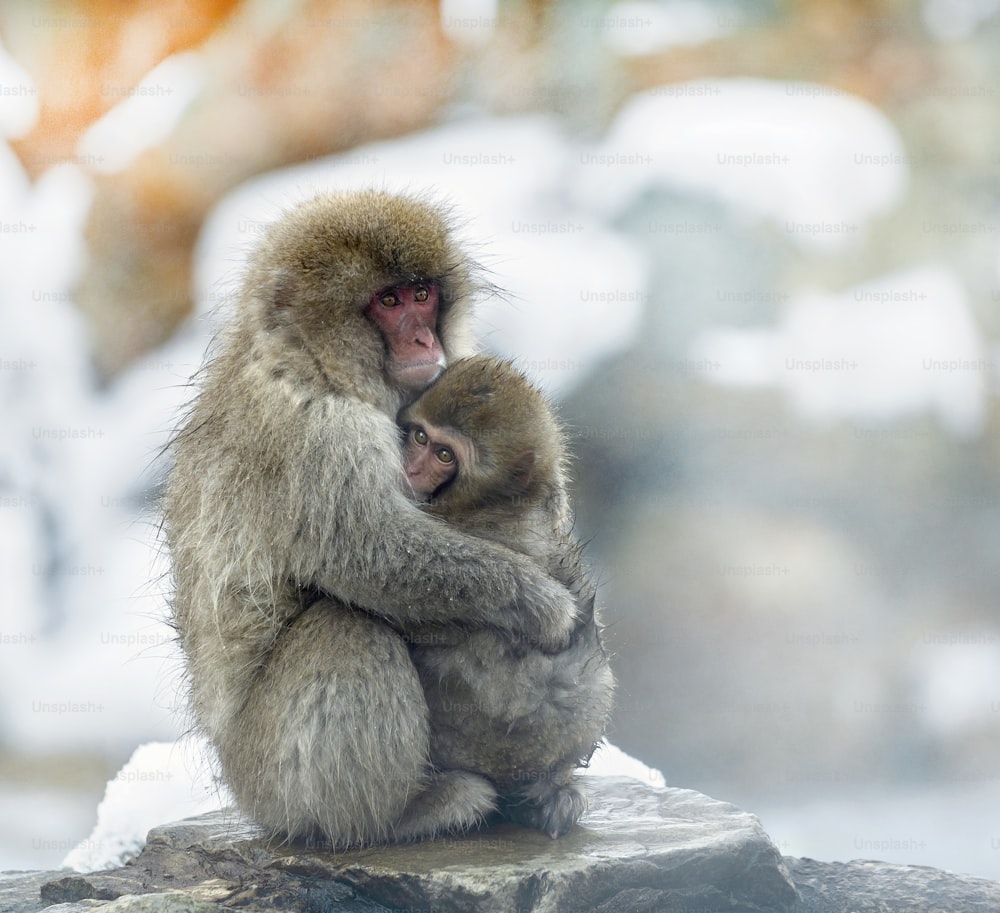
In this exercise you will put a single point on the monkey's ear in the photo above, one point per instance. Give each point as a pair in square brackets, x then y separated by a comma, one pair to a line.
[523, 470]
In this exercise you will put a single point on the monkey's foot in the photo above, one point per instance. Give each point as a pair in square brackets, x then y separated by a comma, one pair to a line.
[455, 800]
[549, 808]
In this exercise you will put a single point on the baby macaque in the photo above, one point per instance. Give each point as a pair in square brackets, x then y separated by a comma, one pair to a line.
[485, 453]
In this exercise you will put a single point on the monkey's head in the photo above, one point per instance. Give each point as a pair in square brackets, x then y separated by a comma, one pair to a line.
[365, 285]
[481, 436]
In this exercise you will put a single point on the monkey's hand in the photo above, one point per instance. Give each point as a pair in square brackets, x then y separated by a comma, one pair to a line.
[547, 615]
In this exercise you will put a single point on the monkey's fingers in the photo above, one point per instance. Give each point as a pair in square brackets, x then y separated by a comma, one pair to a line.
[548, 616]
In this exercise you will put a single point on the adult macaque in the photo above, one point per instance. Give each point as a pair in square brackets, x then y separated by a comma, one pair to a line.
[296, 554]
[485, 453]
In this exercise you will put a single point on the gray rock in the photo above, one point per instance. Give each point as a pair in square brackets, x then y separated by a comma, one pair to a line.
[881, 887]
[167, 902]
[19, 891]
[638, 848]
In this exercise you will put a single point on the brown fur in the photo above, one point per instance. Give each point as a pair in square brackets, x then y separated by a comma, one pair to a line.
[520, 717]
[284, 518]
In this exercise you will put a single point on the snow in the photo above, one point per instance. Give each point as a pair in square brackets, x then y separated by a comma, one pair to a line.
[76, 557]
[804, 157]
[958, 680]
[610, 761]
[146, 115]
[160, 783]
[901, 344]
[19, 110]
[954, 20]
[469, 21]
[636, 27]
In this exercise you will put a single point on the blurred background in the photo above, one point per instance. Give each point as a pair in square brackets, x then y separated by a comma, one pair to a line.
[751, 248]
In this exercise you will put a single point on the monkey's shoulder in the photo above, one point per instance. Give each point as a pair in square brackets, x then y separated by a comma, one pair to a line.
[263, 400]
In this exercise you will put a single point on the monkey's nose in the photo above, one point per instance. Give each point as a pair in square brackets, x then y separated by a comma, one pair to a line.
[424, 337]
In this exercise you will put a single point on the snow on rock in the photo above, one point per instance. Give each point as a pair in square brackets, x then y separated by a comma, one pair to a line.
[811, 159]
[610, 761]
[77, 560]
[160, 783]
[639, 27]
[19, 110]
[147, 114]
[900, 344]
[956, 678]
[469, 21]
[957, 20]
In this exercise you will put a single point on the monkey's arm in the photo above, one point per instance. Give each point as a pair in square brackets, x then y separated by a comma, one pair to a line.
[362, 540]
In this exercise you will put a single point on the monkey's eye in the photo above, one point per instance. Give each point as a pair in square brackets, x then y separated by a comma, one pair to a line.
[420, 293]
[445, 456]
[388, 299]
[419, 436]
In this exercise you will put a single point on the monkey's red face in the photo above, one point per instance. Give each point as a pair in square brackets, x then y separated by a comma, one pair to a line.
[407, 317]
[431, 458]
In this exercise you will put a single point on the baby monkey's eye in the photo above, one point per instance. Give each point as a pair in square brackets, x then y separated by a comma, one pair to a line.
[420, 293]
[388, 299]
[444, 455]
[419, 436]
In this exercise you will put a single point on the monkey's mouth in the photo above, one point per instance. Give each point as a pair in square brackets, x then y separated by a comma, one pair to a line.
[419, 374]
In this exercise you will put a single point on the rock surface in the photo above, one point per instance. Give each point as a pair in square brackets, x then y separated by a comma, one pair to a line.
[639, 849]
[881, 887]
